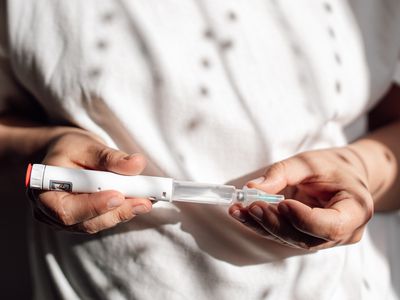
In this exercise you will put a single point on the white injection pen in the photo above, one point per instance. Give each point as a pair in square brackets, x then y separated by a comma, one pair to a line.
[52, 178]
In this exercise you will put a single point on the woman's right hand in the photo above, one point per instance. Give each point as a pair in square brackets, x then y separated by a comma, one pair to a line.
[88, 213]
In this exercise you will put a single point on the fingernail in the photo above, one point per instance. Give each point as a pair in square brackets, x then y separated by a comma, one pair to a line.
[258, 180]
[256, 212]
[114, 202]
[238, 215]
[128, 157]
[140, 209]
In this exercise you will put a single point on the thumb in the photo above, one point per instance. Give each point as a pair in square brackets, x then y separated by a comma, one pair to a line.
[101, 157]
[284, 173]
[86, 150]
[119, 162]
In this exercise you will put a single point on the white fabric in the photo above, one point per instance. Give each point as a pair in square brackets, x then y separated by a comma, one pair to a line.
[209, 91]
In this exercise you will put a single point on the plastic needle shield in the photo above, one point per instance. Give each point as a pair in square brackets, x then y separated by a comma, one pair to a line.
[188, 191]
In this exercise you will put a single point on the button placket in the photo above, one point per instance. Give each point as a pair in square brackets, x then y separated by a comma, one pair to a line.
[337, 84]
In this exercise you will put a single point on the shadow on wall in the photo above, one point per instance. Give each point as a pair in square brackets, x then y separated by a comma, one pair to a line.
[15, 277]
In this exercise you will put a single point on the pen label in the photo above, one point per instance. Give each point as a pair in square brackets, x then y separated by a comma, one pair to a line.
[65, 186]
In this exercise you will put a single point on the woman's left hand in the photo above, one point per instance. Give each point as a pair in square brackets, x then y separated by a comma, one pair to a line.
[328, 202]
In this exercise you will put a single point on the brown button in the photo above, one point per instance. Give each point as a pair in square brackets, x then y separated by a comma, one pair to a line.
[338, 87]
[209, 33]
[232, 16]
[108, 17]
[327, 7]
[225, 45]
[94, 73]
[204, 91]
[205, 62]
[101, 44]
[338, 59]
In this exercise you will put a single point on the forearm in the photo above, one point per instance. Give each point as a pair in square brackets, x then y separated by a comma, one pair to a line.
[23, 140]
[380, 155]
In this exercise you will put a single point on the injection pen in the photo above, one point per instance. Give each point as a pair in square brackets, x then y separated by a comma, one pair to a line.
[51, 178]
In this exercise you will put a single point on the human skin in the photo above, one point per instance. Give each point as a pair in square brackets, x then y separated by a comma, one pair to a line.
[331, 194]
[76, 148]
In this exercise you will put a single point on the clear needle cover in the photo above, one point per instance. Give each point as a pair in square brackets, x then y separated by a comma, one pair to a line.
[187, 191]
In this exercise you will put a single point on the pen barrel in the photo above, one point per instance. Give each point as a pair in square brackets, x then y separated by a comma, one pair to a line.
[89, 181]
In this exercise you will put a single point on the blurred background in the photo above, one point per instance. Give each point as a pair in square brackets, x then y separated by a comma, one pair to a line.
[14, 263]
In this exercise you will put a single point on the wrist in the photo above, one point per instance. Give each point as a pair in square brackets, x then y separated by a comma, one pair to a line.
[375, 158]
[24, 144]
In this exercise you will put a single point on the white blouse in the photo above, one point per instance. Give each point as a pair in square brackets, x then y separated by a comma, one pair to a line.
[209, 91]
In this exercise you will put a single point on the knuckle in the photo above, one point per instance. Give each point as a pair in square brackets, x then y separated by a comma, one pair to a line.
[89, 228]
[369, 207]
[64, 216]
[123, 216]
[40, 198]
[308, 157]
[366, 202]
[93, 206]
[369, 212]
[105, 157]
[303, 156]
[356, 237]
[304, 246]
[280, 165]
[337, 232]
[276, 168]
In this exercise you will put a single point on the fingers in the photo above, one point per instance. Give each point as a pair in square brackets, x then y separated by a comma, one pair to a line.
[124, 213]
[330, 207]
[70, 209]
[265, 220]
[277, 224]
[324, 223]
[297, 224]
[334, 223]
[242, 215]
[88, 212]
[290, 172]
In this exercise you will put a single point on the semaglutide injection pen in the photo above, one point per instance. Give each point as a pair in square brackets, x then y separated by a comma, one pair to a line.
[45, 177]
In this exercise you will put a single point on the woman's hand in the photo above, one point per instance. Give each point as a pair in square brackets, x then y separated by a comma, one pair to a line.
[88, 213]
[328, 202]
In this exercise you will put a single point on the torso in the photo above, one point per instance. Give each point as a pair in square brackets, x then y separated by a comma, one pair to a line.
[209, 91]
